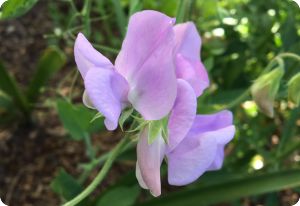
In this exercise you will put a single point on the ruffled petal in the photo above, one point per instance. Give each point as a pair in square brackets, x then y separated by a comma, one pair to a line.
[195, 155]
[107, 91]
[212, 122]
[188, 62]
[87, 57]
[182, 115]
[149, 158]
[146, 61]
[202, 149]
[190, 159]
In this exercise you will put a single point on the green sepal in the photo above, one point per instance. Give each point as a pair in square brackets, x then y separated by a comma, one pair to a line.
[294, 89]
[97, 116]
[124, 116]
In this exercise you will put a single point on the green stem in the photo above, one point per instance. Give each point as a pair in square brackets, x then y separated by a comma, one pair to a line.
[238, 100]
[279, 60]
[113, 155]
[73, 84]
[73, 6]
[87, 168]
[289, 55]
[89, 147]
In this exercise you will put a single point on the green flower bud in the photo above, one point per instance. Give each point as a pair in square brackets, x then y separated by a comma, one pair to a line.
[264, 90]
[294, 89]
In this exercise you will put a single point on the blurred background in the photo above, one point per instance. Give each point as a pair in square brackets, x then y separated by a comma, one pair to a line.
[50, 150]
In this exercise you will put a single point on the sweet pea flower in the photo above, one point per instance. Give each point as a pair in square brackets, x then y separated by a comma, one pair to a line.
[160, 74]
[143, 75]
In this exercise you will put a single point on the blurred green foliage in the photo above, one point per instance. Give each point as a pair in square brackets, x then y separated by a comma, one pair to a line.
[15, 8]
[14, 100]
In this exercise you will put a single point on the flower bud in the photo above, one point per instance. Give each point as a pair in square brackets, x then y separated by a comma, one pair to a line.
[294, 89]
[265, 89]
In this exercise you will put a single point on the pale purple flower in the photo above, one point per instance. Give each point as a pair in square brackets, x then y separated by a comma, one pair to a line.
[159, 73]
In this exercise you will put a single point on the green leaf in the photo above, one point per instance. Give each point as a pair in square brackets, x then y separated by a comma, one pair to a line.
[9, 85]
[154, 130]
[51, 61]
[5, 102]
[76, 119]
[135, 6]
[120, 196]
[15, 8]
[65, 185]
[124, 116]
[232, 190]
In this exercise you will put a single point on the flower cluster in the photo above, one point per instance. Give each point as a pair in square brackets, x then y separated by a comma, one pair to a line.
[159, 73]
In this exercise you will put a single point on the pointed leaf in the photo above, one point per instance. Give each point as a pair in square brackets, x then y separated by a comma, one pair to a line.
[51, 61]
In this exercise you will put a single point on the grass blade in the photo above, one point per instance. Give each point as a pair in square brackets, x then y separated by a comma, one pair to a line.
[51, 61]
[121, 18]
[9, 85]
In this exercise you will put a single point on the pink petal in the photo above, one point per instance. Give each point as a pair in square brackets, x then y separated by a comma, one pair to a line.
[188, 40]
[188, 63]
[146, 61]
[193, 71]
[149, 158]
[182, 115]
[107, 91]
[87, 57]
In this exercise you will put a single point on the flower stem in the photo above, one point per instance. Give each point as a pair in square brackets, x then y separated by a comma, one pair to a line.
[98, 179]
[289, 55]
[239, 99]
[89, 147]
